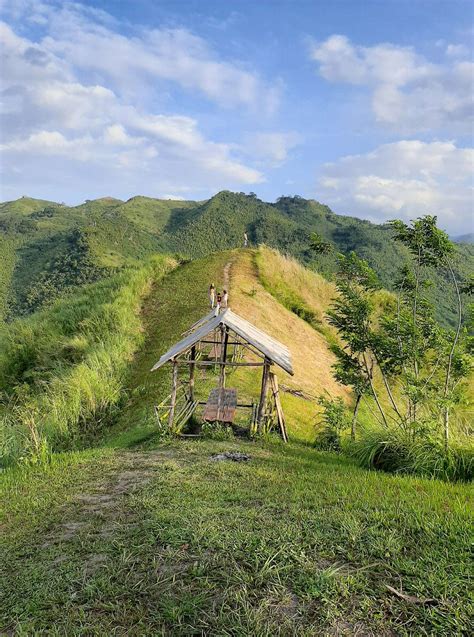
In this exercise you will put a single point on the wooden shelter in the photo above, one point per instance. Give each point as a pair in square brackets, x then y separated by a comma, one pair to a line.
[225, 341]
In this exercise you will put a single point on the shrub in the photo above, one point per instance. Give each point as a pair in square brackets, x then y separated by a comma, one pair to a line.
[217, 431]
[333, 420]
[395, 451]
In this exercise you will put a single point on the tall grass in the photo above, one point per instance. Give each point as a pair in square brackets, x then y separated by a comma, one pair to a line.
[62, 370]
[394, 451]
[305, 293]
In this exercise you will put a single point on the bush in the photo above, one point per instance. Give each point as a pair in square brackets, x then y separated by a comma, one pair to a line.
[394, 451]
[217, 431]
[334, 420]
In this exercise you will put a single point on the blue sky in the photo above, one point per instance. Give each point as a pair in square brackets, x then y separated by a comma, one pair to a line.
[365, 106]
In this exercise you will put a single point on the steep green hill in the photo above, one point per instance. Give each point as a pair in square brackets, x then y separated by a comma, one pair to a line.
[121, 532]
[49, 249]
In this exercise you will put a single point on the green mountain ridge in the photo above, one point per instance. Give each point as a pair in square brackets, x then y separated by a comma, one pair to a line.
[49, 248]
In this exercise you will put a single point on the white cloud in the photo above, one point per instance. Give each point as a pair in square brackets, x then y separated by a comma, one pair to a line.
[89, 40]
[271, 147]
[409, 93]
[457, 50]
[405, 179]
[55, 127]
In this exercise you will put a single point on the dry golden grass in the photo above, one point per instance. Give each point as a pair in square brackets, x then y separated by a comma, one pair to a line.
[284, 274]
[311, 356]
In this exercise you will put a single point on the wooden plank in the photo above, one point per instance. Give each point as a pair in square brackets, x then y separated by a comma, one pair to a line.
[221, 405]
[263, 392]
[225, 338]
[281, 417]
[227, 363]
[192, 367]
[174, 390]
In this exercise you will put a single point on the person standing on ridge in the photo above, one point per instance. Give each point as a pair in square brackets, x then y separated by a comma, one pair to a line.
[225, 299]
[246, 240]
[212, 296]
[219, 301]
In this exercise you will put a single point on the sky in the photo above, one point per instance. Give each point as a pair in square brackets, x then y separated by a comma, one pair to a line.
[366, 106]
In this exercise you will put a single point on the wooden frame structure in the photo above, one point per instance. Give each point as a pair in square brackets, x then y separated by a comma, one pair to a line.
[227, 331]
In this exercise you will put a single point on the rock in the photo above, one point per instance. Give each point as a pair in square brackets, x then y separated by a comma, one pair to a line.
[235, 456]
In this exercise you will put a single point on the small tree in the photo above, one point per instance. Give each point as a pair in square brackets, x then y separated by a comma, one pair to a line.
[334, 421]
[421, 365]
[430, 247]
[351, 315]
[319, 245]
[349, 371]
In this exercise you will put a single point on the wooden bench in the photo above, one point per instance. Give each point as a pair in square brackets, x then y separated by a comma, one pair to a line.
[221, 405]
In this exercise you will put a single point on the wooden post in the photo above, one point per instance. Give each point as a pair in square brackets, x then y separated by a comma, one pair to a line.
[281, 417]
[192, 367]
[224, 341]
[174, 390]
[263, 393]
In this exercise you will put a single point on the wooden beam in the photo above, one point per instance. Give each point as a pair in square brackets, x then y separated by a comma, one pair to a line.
[242, 405]
[263, 393]
[225, 338]
[276, 396]
[227, 363]
[228, 343]
[174, 389]
[192, 367]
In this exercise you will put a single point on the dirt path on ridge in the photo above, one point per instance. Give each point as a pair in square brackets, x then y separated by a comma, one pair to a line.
[100, 511]
[226, 275]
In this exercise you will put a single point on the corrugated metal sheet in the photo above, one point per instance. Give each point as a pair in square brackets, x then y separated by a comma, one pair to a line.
[265, 344]
[189, 341]
[275, 351]
[201, 321]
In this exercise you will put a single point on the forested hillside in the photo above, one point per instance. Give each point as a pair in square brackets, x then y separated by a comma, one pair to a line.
[48, 249]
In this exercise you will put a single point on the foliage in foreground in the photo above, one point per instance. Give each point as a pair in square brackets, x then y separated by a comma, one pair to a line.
[413, 370]
[62, 370]
[291, 543]
[392, 450]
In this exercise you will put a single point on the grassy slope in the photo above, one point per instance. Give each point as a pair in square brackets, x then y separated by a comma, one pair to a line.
[181, 299]
[294, 542]
[163, 541]
[309, 348]
[62, 370]
[8, 257]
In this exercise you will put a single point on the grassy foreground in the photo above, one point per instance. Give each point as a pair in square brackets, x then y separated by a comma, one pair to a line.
[294, 542]
[142, 537]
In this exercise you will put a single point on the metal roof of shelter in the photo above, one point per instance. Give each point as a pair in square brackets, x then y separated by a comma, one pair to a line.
[276, 352]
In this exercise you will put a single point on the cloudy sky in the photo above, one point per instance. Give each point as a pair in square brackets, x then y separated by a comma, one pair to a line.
[365, 105]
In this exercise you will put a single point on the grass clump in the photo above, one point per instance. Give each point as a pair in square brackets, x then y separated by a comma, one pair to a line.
[392, 450]
[62, 370]
[217, 431]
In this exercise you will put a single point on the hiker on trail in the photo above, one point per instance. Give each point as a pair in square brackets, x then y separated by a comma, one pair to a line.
[212, 296]
[219, 300]
[246, 240]
[225, 299]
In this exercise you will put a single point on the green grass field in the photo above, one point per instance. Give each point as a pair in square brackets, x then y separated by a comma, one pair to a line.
[163, 540]
[130, 534]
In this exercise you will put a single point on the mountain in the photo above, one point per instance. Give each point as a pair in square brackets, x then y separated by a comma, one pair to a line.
[49, 249]
[465, 238]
